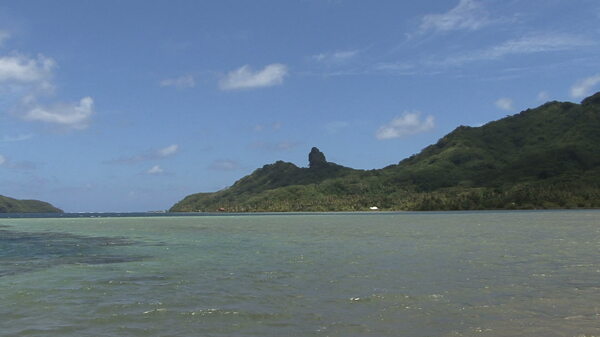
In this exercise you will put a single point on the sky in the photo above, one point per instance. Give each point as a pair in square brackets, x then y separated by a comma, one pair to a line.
[132, 105]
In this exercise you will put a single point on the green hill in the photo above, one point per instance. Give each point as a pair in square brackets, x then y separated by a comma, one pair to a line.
[273, 177]
[10, 205]
[547, 157]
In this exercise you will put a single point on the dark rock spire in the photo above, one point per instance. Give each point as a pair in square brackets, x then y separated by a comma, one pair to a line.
[316, 158]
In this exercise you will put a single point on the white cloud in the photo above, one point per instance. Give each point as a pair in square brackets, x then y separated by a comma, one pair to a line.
[155, 170]
[185, 81]
[224, 165]
[70, 115]
[246, 78]
[2, 160]
[467, 15]
[22, 69]
[543, 96]
[583, 87]
[405, 125]
[4, 35]
[167, 151]
[28, 78]
[504, 104]
[335, 57]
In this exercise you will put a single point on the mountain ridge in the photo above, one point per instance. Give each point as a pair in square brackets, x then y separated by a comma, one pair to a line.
[546, 157]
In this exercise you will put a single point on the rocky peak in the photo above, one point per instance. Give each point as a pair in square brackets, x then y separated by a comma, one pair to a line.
[316, 158]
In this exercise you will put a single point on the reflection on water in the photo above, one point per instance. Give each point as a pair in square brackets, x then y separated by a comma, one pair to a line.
[25, 251]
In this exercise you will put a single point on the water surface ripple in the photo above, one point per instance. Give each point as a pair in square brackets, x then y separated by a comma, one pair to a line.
[385, 274]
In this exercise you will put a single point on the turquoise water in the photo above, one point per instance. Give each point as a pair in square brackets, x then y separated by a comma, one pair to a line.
[381, 274]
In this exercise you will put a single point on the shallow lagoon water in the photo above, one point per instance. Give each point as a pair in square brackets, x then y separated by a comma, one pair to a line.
[378, 274]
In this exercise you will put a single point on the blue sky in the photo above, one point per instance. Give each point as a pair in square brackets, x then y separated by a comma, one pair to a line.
[131, 105]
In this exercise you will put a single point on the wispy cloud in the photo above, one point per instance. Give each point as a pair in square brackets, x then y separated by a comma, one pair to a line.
[584, 86]
[17, 138]
[224, 165]
[264, 127]
[68, 115]
[246, 78]
[467, 15]
[504, 103]
[529, 44]
[185, 81]
[394, 67]
[407, 124]
[22, 165]
[543, 96]
[335, 127]
[275, 146]
[537, 43]
[18, 165]
[335, 57]
[4, 36]
[533, 43]
[155, 170]
[150, 155]
[168, 151]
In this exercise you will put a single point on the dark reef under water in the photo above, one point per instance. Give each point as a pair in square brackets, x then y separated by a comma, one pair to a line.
[30, 251]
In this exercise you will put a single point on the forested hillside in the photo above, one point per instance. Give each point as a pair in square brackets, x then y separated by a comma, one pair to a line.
[547, 157]
[10, 205]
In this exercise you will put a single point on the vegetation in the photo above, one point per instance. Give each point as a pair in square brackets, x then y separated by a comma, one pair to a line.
[547, 157]
[10, 205]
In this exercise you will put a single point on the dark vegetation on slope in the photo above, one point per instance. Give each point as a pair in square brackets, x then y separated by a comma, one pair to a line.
[547, 157]
[10, 205]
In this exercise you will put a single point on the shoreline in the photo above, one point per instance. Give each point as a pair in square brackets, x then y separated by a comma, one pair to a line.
[90, 215]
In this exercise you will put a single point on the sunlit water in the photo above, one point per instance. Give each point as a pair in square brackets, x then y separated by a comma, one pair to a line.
[402, 274]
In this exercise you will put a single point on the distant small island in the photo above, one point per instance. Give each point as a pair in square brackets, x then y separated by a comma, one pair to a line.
[10, 205]
[542, 158]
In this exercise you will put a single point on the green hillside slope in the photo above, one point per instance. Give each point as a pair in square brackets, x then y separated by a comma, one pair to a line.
[547, 157]
[10, 205]
[272, 177]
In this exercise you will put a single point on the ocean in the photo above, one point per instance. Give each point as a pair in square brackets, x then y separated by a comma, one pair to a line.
[522, 273]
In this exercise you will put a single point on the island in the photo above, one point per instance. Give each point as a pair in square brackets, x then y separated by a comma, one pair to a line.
[10, 205]
[542, 158]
